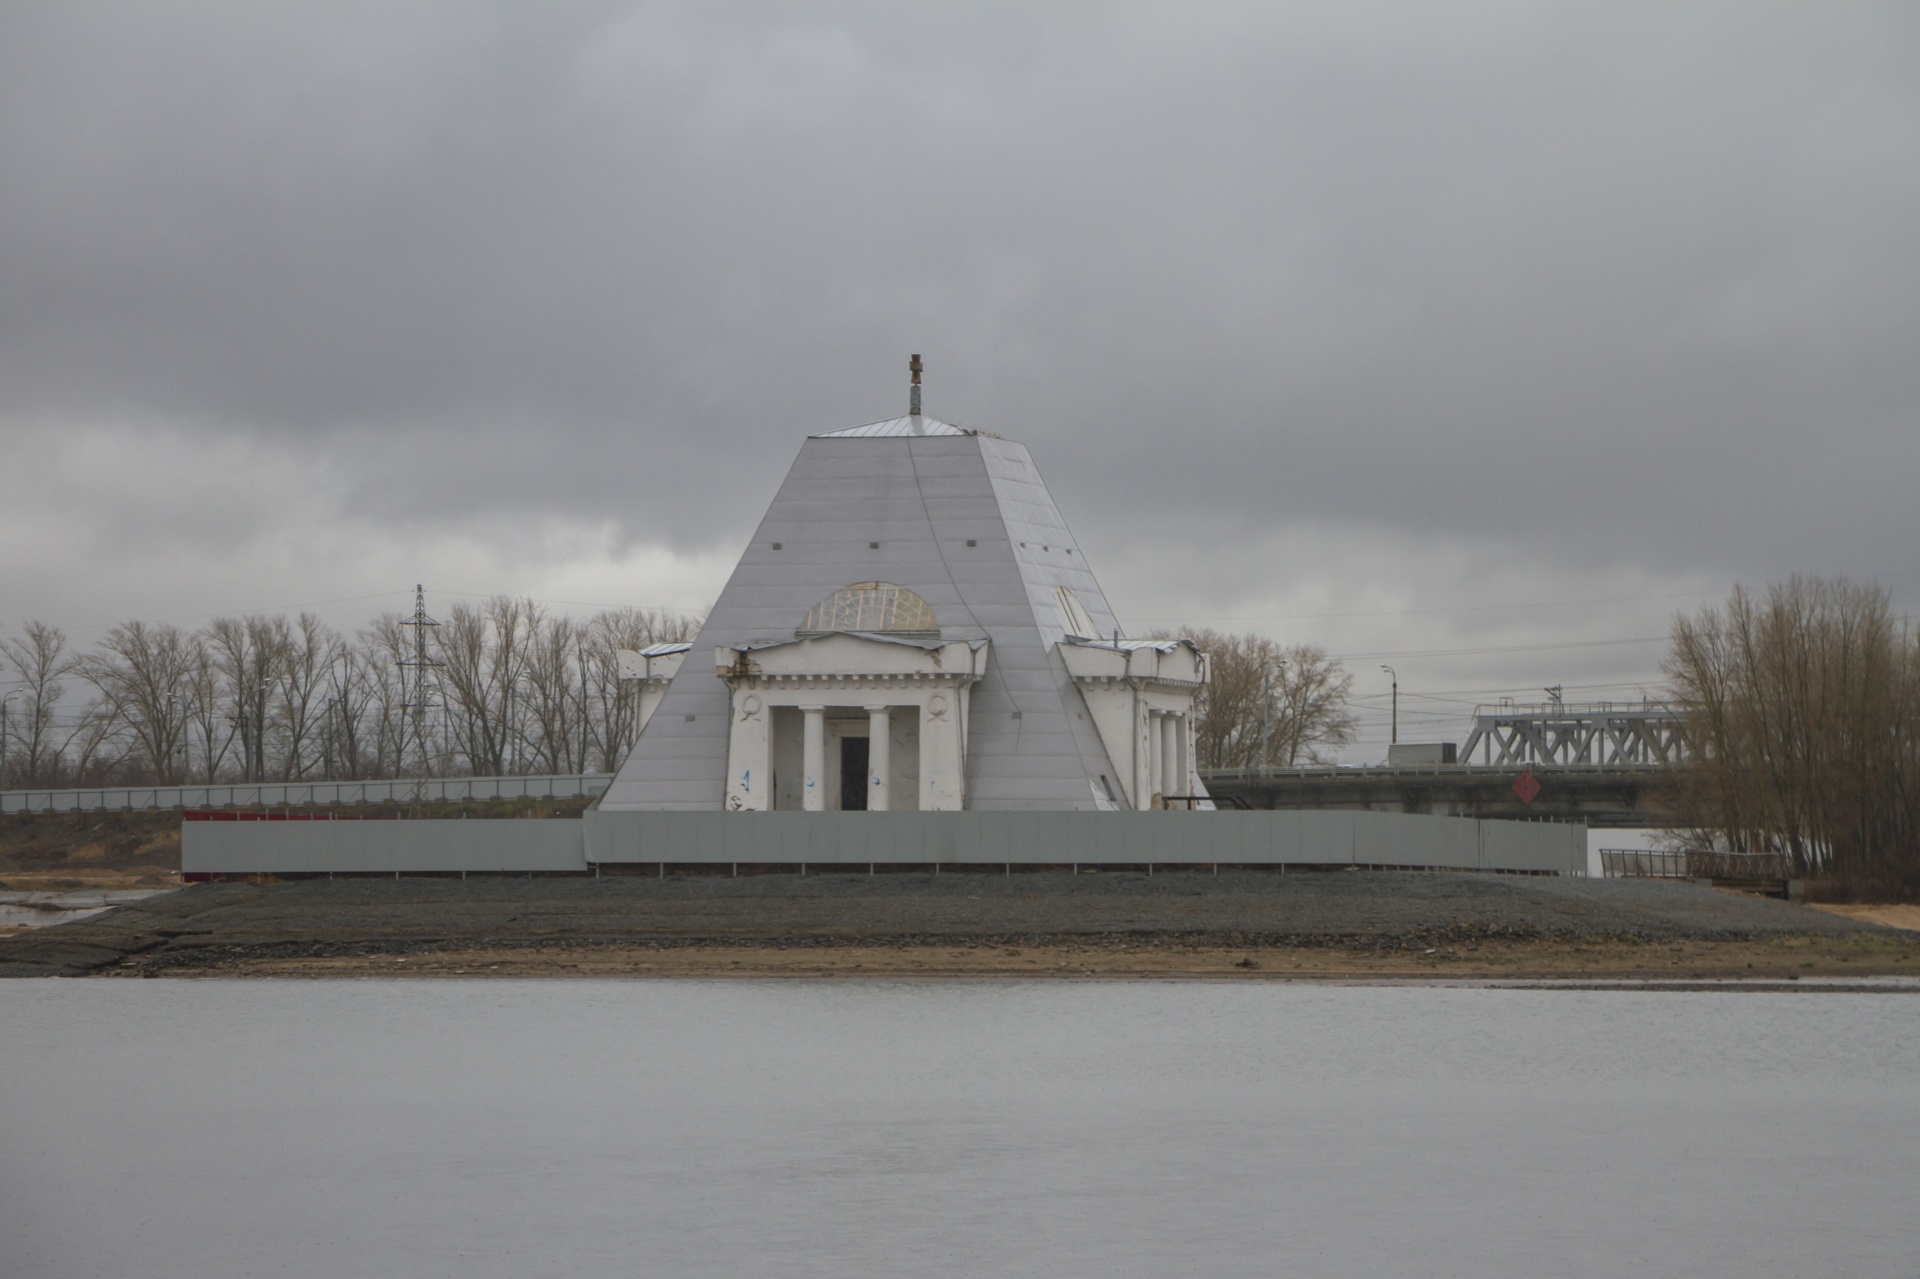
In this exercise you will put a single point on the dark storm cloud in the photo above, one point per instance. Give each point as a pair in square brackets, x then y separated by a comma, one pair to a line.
[1608, 286]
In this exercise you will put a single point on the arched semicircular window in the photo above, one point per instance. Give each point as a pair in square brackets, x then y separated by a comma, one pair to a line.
[871, 606]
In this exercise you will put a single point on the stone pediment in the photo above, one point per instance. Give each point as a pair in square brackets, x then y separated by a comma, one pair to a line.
[845, 655]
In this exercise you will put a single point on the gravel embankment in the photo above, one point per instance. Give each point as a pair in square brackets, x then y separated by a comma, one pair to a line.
[318, 917]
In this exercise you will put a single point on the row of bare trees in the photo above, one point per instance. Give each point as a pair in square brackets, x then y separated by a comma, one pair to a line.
[509, 687]
[1269, 704]
[1804, 702]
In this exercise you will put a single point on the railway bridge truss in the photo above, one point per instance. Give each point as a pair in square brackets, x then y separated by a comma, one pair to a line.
[1603, 734]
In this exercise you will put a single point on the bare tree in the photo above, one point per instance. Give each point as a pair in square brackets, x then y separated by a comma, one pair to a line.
[209, 725]
[39, 657]
[486, 651]
[1268, 704]
[258, 697]
[395, 741]
[555, 704]
[1805, 707]
[613, 720]
[300, 691]
[144, 674]
[249, 653]
[355, 707]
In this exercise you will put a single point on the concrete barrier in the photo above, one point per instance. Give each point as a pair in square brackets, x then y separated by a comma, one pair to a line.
[1277, 838]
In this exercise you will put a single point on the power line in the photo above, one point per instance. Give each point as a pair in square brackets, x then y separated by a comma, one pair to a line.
[1488, 608]
[1500, 649]
[1426, 612]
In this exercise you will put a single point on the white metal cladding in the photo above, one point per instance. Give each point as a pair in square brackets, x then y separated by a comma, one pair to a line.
[901, 509]
[1011, 838]
[305, 794]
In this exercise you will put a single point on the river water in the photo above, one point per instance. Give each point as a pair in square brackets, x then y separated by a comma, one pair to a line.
[737, 1128]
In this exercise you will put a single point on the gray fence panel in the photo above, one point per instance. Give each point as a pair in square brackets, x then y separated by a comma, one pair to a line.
[1229, 840]
[1334, 838]
[1246, 838]
[356, 847]
[1402, 839]
[610, 841]
[1053, 834]
[1175, 838]
[1315, 839]
[1554, 846]
[1082, 841]
[795, 843]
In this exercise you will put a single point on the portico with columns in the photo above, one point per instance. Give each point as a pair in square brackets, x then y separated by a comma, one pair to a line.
[849, 722]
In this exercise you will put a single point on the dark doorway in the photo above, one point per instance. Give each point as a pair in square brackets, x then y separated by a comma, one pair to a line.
[853, 774]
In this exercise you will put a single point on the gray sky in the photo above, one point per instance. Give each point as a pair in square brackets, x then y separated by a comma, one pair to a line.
[1475, 335]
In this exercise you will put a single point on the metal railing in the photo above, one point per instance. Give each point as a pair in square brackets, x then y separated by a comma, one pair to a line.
[1641, 863]
[402, 790]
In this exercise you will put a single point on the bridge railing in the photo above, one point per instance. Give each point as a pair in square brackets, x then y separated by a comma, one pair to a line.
[405, 790]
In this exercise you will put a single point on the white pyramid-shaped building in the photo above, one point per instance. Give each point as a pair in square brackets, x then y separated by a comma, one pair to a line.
[913, 627]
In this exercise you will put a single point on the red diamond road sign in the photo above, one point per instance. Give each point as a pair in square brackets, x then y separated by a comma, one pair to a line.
[1527, 787]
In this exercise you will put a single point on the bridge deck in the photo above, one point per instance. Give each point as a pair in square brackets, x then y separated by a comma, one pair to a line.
[1599, 795]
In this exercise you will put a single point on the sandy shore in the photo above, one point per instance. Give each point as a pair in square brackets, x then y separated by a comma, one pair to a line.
[1234, 926]
[1905, 916]
[1775, 960]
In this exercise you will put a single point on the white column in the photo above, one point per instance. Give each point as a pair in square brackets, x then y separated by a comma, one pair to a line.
[879, 757]
[1142, 753]
[1155, 739]
[750, 754]
[813, 760]
[1170, 780]
[1187, 753]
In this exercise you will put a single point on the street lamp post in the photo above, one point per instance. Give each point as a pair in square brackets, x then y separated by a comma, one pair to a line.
[1395, 739]
[1267, 670]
